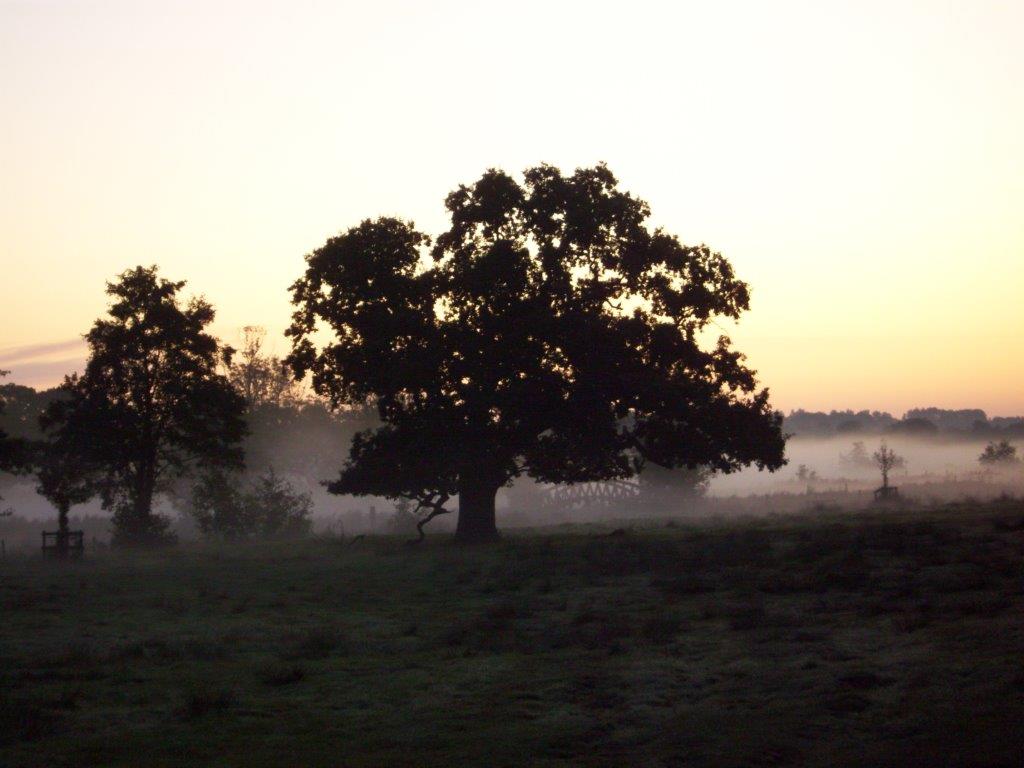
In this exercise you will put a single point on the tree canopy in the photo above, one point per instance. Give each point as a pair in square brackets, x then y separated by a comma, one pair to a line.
[262, 379]
[7, 448]
[14, 450]
[65, 476]
[886, 459]
[1001, 453]
[548, 332]
[151, 402]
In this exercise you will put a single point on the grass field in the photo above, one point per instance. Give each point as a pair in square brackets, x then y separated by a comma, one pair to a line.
[872, 639]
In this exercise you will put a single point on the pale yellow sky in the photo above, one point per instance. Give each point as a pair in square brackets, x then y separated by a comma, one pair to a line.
[861, 164]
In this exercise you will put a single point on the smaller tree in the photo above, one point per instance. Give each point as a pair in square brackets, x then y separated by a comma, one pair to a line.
[64, 474]
[64, 477]
[281, 511]
[999, 454]
[857, 458]
[151, 400]
[887, 460]
[269, 507]
[805, 474]
[217, 505]
[262, 379]
[404, 521]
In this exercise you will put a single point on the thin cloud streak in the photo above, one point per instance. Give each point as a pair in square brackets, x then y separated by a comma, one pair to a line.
[14, 355]
[43, 375]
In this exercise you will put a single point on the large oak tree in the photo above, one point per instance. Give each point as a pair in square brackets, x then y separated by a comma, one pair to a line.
[548, 332]
[150, 405]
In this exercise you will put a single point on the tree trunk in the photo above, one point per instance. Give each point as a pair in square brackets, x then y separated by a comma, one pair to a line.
[476, 511]
[144, 502]
[134, 522]
[62, 529]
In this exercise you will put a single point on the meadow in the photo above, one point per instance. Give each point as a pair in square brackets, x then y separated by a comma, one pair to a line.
[843, 639]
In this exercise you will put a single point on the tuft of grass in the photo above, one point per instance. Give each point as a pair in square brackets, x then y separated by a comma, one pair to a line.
[317, 642]
[661, 628]
[202, 701]
[911, 620]
[277, 675]
[864, 681]
[683, 585]
[599, 630]
[165, 649]
[847, 704]
[67, 698]
[501, 614]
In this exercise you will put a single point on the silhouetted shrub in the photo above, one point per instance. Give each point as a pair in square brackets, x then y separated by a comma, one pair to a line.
[999, 454]
[270, 507]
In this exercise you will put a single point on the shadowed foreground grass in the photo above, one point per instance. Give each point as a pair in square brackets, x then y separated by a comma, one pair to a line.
[864, 640]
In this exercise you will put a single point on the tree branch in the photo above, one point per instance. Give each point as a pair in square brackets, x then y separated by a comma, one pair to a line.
[436, 506]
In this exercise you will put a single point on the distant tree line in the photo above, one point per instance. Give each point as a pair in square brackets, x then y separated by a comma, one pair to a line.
[917, 422]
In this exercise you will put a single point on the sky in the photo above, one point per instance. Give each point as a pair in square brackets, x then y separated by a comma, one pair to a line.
[861, 164]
